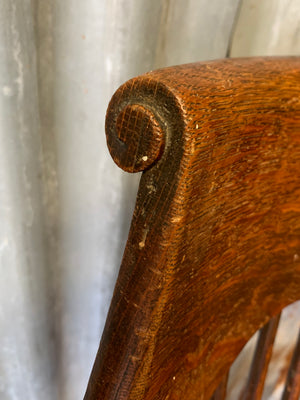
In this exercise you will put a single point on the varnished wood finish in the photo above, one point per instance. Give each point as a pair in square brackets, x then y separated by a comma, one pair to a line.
[213, 249]
[261, 359]
[220, 392]
[292, 386]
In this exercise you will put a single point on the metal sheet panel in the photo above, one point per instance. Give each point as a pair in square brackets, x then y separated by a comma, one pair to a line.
[26, 351]
[267, 28]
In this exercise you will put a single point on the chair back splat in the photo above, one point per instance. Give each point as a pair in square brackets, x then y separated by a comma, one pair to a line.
[213, 251]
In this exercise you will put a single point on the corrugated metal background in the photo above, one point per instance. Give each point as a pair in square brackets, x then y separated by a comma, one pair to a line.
[64, 206]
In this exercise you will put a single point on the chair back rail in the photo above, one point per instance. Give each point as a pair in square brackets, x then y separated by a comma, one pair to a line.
[213, 251]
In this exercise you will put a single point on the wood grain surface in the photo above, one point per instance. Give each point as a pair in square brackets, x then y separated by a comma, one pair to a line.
[214, 245]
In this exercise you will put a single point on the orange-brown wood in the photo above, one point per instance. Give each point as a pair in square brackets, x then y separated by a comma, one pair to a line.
[214, 245]
[220, 392]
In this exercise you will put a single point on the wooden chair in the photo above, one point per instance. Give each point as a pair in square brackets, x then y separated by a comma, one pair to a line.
[213, 252]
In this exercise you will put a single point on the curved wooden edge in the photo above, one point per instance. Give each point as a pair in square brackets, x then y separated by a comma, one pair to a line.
[143, 120]
[212, 252]
[220, 392]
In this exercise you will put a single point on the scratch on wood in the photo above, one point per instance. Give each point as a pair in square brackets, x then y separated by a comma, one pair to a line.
[144, 235]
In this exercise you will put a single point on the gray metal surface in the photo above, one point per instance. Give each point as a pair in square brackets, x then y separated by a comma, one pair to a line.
[26, 325]
[266, 28]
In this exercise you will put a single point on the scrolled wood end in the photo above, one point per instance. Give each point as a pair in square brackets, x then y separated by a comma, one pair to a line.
[135, 138]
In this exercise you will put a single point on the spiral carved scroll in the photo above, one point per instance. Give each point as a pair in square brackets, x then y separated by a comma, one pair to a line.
[139, 123]
[139, 141]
